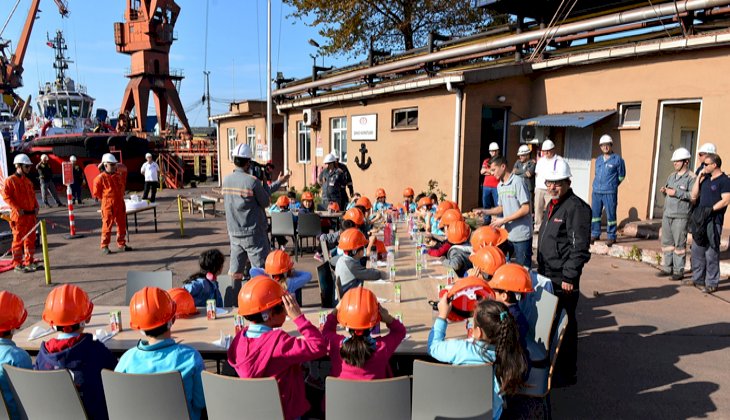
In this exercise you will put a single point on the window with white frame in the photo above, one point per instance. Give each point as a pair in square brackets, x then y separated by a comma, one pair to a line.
[304, 143]
[339, 137]
[232, 141]
[405, 118]
[630, 114]
[251, 136]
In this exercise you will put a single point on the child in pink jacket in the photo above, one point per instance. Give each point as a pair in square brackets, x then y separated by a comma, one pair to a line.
[261, 351]
[359, 355]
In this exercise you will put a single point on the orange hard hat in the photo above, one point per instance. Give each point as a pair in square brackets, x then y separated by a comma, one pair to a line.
[443, 206]
[259, 294]
[512, 277]
[358, 309]
[424, 201]
[306, 195]
[365, 202]
[67, 305]
[408, 192]
[184, 302]
[464, 296]
[282, 201]
[151, 308]
[379, 193]
[488, 259]
[450, 216]
[487, 235]
[352, 239]
[278, 262]
[333, 206]
[458, 232]
[380, 247]
[12, 311]
[355, 216]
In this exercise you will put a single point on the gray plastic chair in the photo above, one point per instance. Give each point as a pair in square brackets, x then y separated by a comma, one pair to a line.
[386, 399]
[325, 251]
[254, 398]
[229, 290]
[282, 224]
[451, 392]
[4, 415]
[538, 384]
[140, 396]
[137, 280]
[45, 394]
[541, 323]
[309, 225]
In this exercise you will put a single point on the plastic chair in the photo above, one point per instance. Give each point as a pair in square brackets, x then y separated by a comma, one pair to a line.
[540, 320]
[538, 384]
[325, 252]
[309, 225]
[45, 394]
[229, 290]
[326, 285]
[136, 396]
[260, 397]
[4, 414]
[451, 392]
[137, 280]
[282, 224]
[385, 399]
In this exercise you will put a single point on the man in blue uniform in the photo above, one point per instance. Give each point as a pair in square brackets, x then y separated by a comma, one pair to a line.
[610, 172]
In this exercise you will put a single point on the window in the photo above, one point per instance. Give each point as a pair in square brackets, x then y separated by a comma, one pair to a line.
[630, 115]
[405, 118]
[304, 143]
[251, 136]
[232, 141]
[339, 138]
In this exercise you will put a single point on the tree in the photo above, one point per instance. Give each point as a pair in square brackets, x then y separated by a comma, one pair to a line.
[348, 25]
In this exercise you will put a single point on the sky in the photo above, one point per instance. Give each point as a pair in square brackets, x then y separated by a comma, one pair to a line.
[236, 50]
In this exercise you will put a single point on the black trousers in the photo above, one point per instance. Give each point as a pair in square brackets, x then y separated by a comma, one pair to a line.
[150, 189]
[566, 366]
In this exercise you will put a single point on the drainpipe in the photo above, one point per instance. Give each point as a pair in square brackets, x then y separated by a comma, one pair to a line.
[457, 139]
[218, 150]
[285, 139]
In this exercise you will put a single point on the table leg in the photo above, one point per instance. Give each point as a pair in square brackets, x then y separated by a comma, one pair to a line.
[154, 210]
[136, 228]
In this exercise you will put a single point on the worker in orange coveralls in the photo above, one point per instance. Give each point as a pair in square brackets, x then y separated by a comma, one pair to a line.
[18, 193]
[109, 187]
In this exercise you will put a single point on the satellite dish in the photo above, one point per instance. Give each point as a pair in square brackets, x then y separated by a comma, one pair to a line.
[528, 133]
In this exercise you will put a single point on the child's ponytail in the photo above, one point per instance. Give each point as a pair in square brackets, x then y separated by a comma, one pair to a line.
[358, 348]
[500, 329]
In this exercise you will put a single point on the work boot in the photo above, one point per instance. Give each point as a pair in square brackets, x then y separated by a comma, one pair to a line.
[709, 289]
[610, 242]
[60, 205]
[33, 267]
[20, 269]
[677, 276]
[125, 248]
[106, 250]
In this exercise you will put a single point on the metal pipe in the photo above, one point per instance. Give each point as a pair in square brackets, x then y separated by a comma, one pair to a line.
[457, 139]
[630, 16]
[44, 247]
[285, 115]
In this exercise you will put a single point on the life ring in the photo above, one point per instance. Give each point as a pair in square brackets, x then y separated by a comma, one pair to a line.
[45, 127]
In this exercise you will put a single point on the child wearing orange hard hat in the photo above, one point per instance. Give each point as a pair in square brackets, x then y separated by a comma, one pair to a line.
[349, 266]
[263, 350]
[358, 355]
[380, 201]
[457, 257]
[67, 310]
[203, 285]
[280, 267]
[12, 317]
[509, 282]
[152, 311]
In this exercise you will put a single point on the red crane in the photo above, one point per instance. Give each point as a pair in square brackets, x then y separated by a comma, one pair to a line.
[147, 35]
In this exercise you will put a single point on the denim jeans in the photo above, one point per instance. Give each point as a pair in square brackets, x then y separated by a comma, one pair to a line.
[490, 198]
[520, 252]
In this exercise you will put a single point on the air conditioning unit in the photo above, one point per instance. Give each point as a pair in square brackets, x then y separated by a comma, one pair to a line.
[310, 117]
[531, 134]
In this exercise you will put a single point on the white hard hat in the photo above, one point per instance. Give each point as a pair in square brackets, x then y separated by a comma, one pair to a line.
[108, 158]
[148, 155]
[72, 158]
[330, 158]
[243, 150]
[493, 146]
[681, 154]
[44, 157]
[559, 171]
[548, 145]
[708, 148]
[21, 159]
[605, 139]
[523, 150]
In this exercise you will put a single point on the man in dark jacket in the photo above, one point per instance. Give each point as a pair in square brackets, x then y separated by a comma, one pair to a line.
[562, 251]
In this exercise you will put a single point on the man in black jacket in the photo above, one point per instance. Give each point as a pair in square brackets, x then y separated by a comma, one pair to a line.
[562, 251]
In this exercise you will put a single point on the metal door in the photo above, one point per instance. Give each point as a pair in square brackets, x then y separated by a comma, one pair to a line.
[578, 148]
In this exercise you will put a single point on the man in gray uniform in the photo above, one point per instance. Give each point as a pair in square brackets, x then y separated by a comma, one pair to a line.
[246, 199]
[677, 206]
[333, 182]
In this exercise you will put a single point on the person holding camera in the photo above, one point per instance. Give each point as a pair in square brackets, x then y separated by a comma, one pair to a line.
[246, 199]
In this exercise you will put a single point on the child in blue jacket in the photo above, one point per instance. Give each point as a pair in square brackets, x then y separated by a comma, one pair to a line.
[203, 285]
[12, 316]
[280, 267]
[152, 311]
[495, 342]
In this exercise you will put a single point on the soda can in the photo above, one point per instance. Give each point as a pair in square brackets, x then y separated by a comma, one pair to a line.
[115, 321]
[238, 322]
[396, 298]
[322, 319]
[210, 308]
[470, 328]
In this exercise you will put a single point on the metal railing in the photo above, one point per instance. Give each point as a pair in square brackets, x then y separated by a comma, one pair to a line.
[172, 170]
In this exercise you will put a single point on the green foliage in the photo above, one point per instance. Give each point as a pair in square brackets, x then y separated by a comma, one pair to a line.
[635, 253]
[433, 188]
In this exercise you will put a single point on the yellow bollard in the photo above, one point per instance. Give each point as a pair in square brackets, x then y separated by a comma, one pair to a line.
[180, 216]
[44, 246]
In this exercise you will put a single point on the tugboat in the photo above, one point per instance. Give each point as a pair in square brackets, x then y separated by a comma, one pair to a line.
[65, 126]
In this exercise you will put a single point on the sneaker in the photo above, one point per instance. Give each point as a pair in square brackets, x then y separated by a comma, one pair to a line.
[318, 257]
[610, 242]
[126, 248]
[106, 250]
[688, 282]
[60, 205]
[677, 276]
[709, 289]
[20, 269]
[662, 273]
[33, 267]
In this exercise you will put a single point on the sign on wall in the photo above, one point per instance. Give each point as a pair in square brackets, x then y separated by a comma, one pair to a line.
[364, 127]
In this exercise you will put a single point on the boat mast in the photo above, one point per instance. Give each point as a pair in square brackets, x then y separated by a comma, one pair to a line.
[58, 43]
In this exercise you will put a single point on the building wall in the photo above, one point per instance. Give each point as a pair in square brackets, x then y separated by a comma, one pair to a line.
[400, 158]
[240, 124]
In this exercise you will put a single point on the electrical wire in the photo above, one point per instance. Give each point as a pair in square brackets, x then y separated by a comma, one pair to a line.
[660, 18]
[10, 16]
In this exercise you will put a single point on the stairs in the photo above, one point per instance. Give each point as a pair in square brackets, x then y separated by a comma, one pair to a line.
[171, 169]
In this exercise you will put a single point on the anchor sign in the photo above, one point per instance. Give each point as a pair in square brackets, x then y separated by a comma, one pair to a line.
[361, 163]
